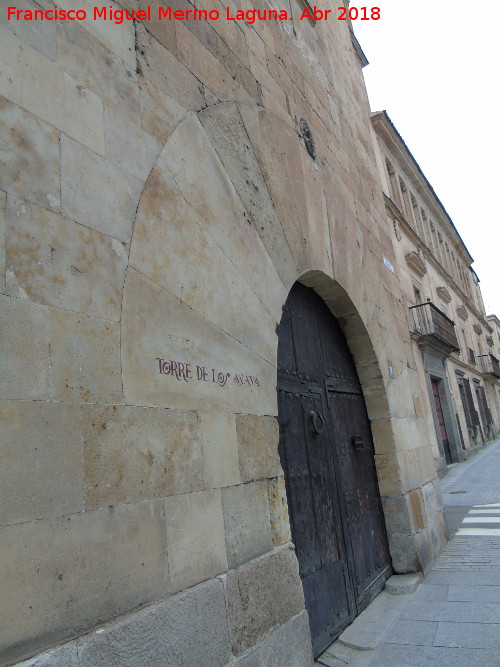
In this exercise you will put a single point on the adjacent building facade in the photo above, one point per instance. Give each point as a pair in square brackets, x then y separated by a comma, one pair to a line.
[453, 341]
[226, 399]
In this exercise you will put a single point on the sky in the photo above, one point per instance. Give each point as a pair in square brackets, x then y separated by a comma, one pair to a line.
[435, 68]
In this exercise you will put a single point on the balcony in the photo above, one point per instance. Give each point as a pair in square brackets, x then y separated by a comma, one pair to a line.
[434, 327]
[489, 365]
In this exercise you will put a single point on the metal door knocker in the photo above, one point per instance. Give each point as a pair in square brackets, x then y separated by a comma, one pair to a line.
[318, 421]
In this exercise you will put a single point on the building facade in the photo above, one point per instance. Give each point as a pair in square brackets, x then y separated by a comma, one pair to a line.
[218, 435]
[452, 339]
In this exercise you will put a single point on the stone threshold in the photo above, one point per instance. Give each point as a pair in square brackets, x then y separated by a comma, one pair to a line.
[356, 644]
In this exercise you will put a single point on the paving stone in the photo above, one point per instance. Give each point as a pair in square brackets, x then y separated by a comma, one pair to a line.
[426, 656]
[416, 633]
[429, 592]
[474, 593]
[468, 635]
[481, 612]
[64, 656]
[469, 576]
[367, 630]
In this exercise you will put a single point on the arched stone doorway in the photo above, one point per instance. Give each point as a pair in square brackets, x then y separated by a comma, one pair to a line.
[327, 454]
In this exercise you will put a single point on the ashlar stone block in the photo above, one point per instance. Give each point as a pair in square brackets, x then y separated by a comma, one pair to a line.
[258, 447]
[160, 113]
[62, 576]
[50, 93]
[157, 325]
[29, 157]
[177, 250]
[290, 645]
[206, 67]
[41, 450]
[3, 204]
[84, 361]
[195, 538]
[118, 37]
[218, 206]
[92, 64]
[246, 522]
[24, 349]
[164, 70]
[263, 595]
[61, 263]
[134, 453]
[398, 517]
[163, 30]
[278, 511]
[263, 131]
[271, 254]
[127, 144]
[97, 193]
[40, 35]
[186, 630]
[220, 449]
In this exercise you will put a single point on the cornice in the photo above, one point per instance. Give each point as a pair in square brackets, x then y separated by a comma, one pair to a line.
[393, 210]
[385, 128]
[415, 263]
[443, 294]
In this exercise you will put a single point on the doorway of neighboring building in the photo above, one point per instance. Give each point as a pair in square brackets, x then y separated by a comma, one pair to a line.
[440, 420]
[327, 454]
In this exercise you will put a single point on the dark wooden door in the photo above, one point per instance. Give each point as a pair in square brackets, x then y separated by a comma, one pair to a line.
[326, 451]
[441, 423]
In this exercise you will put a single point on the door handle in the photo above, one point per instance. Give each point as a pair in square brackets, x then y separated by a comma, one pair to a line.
[318, 421]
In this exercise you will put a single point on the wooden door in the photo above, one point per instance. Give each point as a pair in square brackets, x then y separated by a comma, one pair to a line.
[326, 451]
[441, 423]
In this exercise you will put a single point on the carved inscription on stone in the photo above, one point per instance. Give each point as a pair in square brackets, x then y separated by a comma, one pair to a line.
[183, 371]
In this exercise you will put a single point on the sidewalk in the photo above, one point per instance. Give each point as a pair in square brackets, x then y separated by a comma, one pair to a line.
[453, 618]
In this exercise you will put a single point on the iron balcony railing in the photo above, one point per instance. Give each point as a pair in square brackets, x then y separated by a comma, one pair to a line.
[489, 365]
[432, 323]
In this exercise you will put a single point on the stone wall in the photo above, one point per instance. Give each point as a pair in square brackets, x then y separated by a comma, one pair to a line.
[158, 203]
